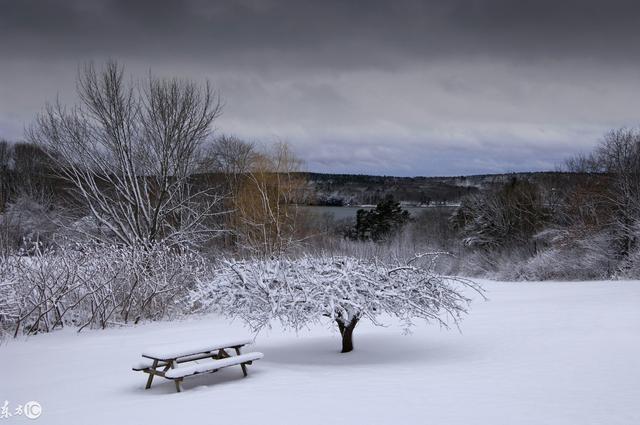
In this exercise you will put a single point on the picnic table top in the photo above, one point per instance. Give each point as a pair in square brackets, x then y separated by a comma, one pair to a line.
[174, 351]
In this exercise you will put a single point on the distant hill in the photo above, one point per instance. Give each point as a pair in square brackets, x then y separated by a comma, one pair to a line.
[359, 189]
[325, 189]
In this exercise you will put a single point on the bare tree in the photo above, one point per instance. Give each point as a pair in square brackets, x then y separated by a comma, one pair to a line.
[227, 162]
[5, 154]
[502, 218]
[130, 151]
[582, 164]
[266, 214]
[618, 156]
[609, 198]
[264, 185]
[232, 157]
[5, 157]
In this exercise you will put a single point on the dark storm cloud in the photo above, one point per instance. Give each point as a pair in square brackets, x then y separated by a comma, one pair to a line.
[396, 86]
[403, 29]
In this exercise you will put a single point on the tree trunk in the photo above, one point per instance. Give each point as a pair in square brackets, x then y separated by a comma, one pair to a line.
[347, 334]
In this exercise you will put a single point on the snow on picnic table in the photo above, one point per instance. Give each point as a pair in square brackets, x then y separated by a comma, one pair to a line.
[536, 353]
[204, 344]
[208, 365]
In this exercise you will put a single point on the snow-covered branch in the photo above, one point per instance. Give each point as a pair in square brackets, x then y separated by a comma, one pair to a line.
[130, 153]
[301, 291]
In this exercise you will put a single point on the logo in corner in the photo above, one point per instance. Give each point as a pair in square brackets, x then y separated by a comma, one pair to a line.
[32, 410]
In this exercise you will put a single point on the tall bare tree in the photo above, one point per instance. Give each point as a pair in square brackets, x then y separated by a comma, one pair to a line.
[233, 158]
[264, 185]
[607, 201]
[619, 157]
[5, 157]
[267, 216]
[130, 151]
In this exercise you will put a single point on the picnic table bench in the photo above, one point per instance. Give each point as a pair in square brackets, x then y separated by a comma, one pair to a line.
[164, 360]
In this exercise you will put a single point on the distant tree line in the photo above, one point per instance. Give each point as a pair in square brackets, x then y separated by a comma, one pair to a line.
[586, 227]
[347, 189]
[137, 163]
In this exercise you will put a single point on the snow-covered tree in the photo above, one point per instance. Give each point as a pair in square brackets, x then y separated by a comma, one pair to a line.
[131, 151]
[345, 290]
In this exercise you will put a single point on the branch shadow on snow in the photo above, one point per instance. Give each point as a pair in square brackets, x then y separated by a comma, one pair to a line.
[370, 349]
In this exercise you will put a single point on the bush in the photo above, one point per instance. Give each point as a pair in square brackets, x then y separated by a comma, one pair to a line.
[94, 285]
[503, 218]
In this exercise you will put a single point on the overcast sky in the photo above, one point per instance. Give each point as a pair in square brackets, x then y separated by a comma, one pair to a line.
[381, 87]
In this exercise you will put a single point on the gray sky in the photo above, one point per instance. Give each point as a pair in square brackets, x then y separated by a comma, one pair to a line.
[382, 87]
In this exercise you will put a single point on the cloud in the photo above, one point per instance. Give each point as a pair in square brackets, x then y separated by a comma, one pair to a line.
[406, 87]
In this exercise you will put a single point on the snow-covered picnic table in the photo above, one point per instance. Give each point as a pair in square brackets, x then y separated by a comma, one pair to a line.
[163, 360]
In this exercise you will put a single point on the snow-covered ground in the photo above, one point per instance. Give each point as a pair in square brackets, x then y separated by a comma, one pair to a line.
[536, 353]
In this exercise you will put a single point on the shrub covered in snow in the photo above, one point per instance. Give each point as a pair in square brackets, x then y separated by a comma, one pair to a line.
[300, 291]
[9, 308]
[93, 285]
[569, 257]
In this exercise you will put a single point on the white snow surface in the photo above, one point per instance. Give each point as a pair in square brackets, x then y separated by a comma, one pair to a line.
[172, 351]
[536, 353]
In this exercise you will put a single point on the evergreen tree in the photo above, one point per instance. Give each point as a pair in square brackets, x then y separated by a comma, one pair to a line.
[378, 223]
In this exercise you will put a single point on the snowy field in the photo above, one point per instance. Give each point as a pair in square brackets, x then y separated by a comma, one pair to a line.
[536, 353]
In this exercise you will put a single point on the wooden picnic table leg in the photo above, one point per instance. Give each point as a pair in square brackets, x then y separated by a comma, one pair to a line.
[177, 381]
[151, 374]
[242, 365]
